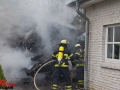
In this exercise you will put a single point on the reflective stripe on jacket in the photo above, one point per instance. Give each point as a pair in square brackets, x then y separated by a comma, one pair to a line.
[64, 62]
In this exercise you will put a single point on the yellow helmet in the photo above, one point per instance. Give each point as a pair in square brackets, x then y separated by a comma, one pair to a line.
[77, 45]
[64, 41]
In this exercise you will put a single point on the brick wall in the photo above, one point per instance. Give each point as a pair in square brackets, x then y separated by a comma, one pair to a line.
[102, 75]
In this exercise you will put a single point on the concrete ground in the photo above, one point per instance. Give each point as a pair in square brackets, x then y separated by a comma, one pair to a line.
[43, 87]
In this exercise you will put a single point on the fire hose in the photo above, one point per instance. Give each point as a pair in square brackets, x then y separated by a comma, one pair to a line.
[44, 66]
[38, 72]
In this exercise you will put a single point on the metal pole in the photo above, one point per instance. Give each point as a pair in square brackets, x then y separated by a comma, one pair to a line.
[86, 55]
[78, 3]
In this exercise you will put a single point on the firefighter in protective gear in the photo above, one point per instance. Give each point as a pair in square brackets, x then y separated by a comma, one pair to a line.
[79, 61]
[61, 65]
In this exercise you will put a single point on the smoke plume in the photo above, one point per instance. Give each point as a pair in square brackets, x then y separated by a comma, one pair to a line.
[48, 19]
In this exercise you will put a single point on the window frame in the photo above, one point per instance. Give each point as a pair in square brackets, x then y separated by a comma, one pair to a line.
[113, 44]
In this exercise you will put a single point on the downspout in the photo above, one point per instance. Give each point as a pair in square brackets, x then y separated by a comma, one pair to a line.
[78, 3]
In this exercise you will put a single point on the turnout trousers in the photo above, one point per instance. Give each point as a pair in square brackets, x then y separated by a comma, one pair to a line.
[80, 75]
[61, 71]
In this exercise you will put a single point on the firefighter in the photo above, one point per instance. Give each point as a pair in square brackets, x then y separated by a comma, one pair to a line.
[61, 65]
[79, 61]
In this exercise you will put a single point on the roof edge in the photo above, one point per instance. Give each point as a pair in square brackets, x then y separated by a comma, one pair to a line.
[85, 4]
[91, 2]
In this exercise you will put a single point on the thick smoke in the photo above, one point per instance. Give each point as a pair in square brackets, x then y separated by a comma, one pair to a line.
[49, 19]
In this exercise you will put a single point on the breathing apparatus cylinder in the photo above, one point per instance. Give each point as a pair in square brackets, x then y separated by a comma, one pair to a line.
[60, 54]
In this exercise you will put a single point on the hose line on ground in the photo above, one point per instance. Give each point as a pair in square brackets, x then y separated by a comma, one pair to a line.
[38, 71]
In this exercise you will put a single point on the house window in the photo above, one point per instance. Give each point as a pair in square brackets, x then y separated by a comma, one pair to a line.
[113, 43]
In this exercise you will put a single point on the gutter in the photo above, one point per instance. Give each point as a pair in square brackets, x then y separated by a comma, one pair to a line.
[86, 4]
[90, 2]
[78, 3]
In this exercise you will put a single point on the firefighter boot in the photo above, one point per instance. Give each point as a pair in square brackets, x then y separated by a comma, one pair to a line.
[68, 87]
[81, 84]
[54, 87]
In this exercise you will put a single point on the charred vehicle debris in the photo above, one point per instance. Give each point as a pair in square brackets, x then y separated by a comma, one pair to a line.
[42, 61]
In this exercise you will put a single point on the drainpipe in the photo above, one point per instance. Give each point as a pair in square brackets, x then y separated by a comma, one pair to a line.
[78, 3]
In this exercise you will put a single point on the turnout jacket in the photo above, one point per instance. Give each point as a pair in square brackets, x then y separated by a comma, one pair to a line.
[79, 56]
[67, 55]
